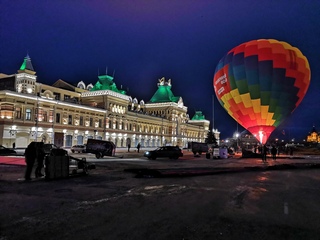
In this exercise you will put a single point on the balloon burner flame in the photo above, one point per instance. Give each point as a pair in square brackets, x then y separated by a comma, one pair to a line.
[260, 136]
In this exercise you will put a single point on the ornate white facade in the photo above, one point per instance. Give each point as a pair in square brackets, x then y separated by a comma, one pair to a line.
[66, 115]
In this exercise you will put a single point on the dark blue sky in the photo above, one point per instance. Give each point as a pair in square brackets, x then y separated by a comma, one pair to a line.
[145, 40]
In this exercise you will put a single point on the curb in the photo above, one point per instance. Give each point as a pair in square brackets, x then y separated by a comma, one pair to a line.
[191, 172]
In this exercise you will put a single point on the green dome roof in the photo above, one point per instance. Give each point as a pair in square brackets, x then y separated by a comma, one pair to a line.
[164, 93]
[106, 82]
[198, 116]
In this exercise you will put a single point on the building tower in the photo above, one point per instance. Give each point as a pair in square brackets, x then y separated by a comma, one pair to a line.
[26, 78]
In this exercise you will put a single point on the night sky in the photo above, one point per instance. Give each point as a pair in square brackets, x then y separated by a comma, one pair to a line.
[142, 41]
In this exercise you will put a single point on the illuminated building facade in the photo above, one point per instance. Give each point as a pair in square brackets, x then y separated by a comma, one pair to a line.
[66, 115]
[314, 136]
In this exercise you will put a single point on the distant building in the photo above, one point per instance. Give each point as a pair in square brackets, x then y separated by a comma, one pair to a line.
[314, 136]
[66, 115]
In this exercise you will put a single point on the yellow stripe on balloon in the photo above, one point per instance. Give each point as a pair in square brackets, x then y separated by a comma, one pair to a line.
[225, 99]
[270, 121]
[246, 99]
[285, 45]
[234, 92]
[256, 104]
[264, 112]
[270, 40]
[235, 95]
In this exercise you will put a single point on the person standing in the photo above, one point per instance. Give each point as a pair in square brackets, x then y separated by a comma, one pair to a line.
[264, 151]
[129, 146]
[40, 159]
[274, 152]
[138, 147]
[291, 151]
[30, 157]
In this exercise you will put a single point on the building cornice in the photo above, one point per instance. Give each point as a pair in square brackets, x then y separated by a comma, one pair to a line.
[26, 75]
[52, 101]
[167, 104]
[105, 92]
[199, 121]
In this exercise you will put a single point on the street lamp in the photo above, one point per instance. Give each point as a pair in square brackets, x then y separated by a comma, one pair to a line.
[161, 140]
[237, 136]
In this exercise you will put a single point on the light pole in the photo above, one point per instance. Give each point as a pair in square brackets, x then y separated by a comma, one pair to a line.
[36, 120]
[161, 140]
[237, 136]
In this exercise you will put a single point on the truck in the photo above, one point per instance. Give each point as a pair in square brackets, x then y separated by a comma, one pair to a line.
[198, 147]
[100, 148]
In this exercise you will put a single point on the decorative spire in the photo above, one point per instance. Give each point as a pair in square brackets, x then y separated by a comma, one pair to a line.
[162, 82]
[27, 65]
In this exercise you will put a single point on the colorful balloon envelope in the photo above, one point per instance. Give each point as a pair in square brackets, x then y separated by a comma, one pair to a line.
[260, 83]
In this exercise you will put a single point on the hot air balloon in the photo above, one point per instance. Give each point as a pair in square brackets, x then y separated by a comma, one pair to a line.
[260, 83]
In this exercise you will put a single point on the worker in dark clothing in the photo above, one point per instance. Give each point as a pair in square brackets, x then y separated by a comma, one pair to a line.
[30, 157]
[40, 158]
[274, 151]
[264, 152]
[138, 147]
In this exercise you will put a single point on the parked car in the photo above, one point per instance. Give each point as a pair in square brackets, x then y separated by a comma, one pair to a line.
[6, 151]
[198, 147]
[100, 148]
[20, 151]
[166, 151]
[81, 148]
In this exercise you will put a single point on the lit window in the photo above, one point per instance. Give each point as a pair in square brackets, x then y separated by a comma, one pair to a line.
[28, 114]
[18, 113]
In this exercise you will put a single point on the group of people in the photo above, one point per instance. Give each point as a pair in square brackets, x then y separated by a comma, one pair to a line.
[34, 154]
[138, 147]
[265, 150]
